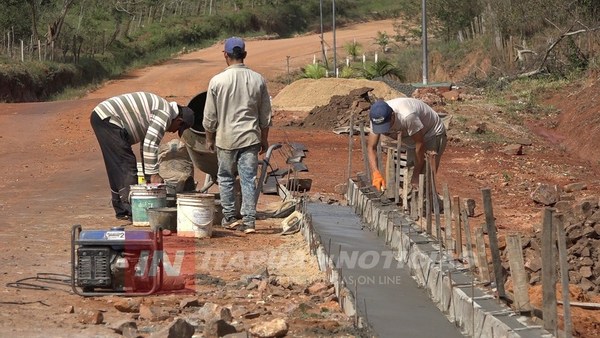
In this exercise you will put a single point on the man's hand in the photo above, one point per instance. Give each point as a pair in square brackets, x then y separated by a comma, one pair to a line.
[156, 178]
[414, 182]
[210, 146]
[378, 181]
[264, 146]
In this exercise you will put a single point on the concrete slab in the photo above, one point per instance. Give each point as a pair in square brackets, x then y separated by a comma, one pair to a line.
[385, 293]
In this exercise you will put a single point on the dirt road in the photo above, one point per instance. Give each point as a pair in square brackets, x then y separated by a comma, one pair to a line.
[52, 174]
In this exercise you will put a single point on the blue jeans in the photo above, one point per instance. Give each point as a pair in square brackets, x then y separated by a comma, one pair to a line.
[245, 160]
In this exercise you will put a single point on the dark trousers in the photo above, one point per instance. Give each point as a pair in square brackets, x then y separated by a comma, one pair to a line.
[119, 159]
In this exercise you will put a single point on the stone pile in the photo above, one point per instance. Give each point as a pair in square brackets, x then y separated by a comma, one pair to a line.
[256, 305]
[581, 220]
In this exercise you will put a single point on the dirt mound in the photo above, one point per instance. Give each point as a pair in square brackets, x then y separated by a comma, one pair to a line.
[306, 94]
[579, 122]
[340, 108]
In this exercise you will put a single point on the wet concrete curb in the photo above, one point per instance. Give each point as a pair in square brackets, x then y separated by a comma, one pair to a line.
[345, 297]
[451, 287]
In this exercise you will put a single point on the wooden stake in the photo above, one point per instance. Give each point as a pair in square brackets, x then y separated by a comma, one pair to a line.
[363, 145]
[398, 162]
[484, 272]
[421, 200]
[447, 217]
[465, 221]
[517, 271]
[390, 174]
[428, 194]
[564, 274]
[458, 229]
[493, 239]
[548, 273]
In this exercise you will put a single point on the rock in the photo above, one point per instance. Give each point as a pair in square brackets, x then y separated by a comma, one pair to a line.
[586, 261]
[563, 206]
[153, 313]
[574, 232]
[585, 272]
[478, 128]
[316, 288]
[128, 305]
[211, 312]
[94, 317]
[452, 95]
[546, 194]
[574, 277]
[218, 328]
[179, 328]
[586, 285]
[583, 210]
[274, 328]
[470, 206]
[189, 302]
[524, 142]
[125, 327]
[513, 149]
[70, 309]
[575, 187]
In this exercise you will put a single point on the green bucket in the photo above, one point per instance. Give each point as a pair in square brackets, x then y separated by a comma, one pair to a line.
[143, 197]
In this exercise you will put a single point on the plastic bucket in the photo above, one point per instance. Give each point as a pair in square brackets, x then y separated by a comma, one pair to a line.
[195, 215]
[165, 218]
[144, 197]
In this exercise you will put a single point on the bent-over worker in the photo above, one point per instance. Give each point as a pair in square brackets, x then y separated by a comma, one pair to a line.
[421, 128]
[122, 121]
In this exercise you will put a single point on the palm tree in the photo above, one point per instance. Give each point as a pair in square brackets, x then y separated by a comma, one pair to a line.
[382, 39]
[314, 71]
[382, 68]
[353, 49]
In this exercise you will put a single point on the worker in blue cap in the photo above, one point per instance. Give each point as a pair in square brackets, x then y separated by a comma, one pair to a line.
[421, 128]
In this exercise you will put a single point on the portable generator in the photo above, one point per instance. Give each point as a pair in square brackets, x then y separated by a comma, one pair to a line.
[116, 262]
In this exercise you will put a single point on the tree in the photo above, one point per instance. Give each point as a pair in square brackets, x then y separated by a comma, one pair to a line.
[382, 39]
[353, 49]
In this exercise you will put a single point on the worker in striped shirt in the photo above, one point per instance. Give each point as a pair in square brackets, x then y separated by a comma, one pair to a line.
[124, 120]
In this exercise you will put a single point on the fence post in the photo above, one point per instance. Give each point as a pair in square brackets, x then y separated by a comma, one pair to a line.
[564, 274]
[517, 271]
[448, 219]
[457, 227]
[493, 239]
[465, 219]
[484, 272]
[548, 273]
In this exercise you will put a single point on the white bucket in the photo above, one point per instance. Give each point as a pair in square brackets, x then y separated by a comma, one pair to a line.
[195, 215]
[143, 197]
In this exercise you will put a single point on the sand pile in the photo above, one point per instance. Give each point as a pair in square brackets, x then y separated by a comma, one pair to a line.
[306, 94]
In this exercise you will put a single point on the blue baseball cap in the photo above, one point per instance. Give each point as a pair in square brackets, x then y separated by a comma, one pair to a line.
[233, 42]
[381, 117]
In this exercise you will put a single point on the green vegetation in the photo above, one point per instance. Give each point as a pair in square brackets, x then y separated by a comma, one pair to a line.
[87, 41]
[314, 71]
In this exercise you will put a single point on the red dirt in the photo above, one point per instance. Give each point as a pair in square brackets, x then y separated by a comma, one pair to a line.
[53, 175]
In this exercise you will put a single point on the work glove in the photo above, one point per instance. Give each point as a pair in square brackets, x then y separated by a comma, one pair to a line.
[378, 181]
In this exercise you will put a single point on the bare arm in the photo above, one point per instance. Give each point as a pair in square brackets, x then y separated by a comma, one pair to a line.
[419, 156]
[372, 142]
[210, 141]
[264, 140]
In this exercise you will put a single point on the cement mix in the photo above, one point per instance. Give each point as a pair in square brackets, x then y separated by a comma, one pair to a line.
[386, 295]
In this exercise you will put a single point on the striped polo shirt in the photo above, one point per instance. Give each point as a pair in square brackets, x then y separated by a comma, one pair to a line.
[145, 117]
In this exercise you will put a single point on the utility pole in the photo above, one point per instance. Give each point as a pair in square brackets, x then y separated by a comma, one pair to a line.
[334, 47]
[322, 38]
[424, 40]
